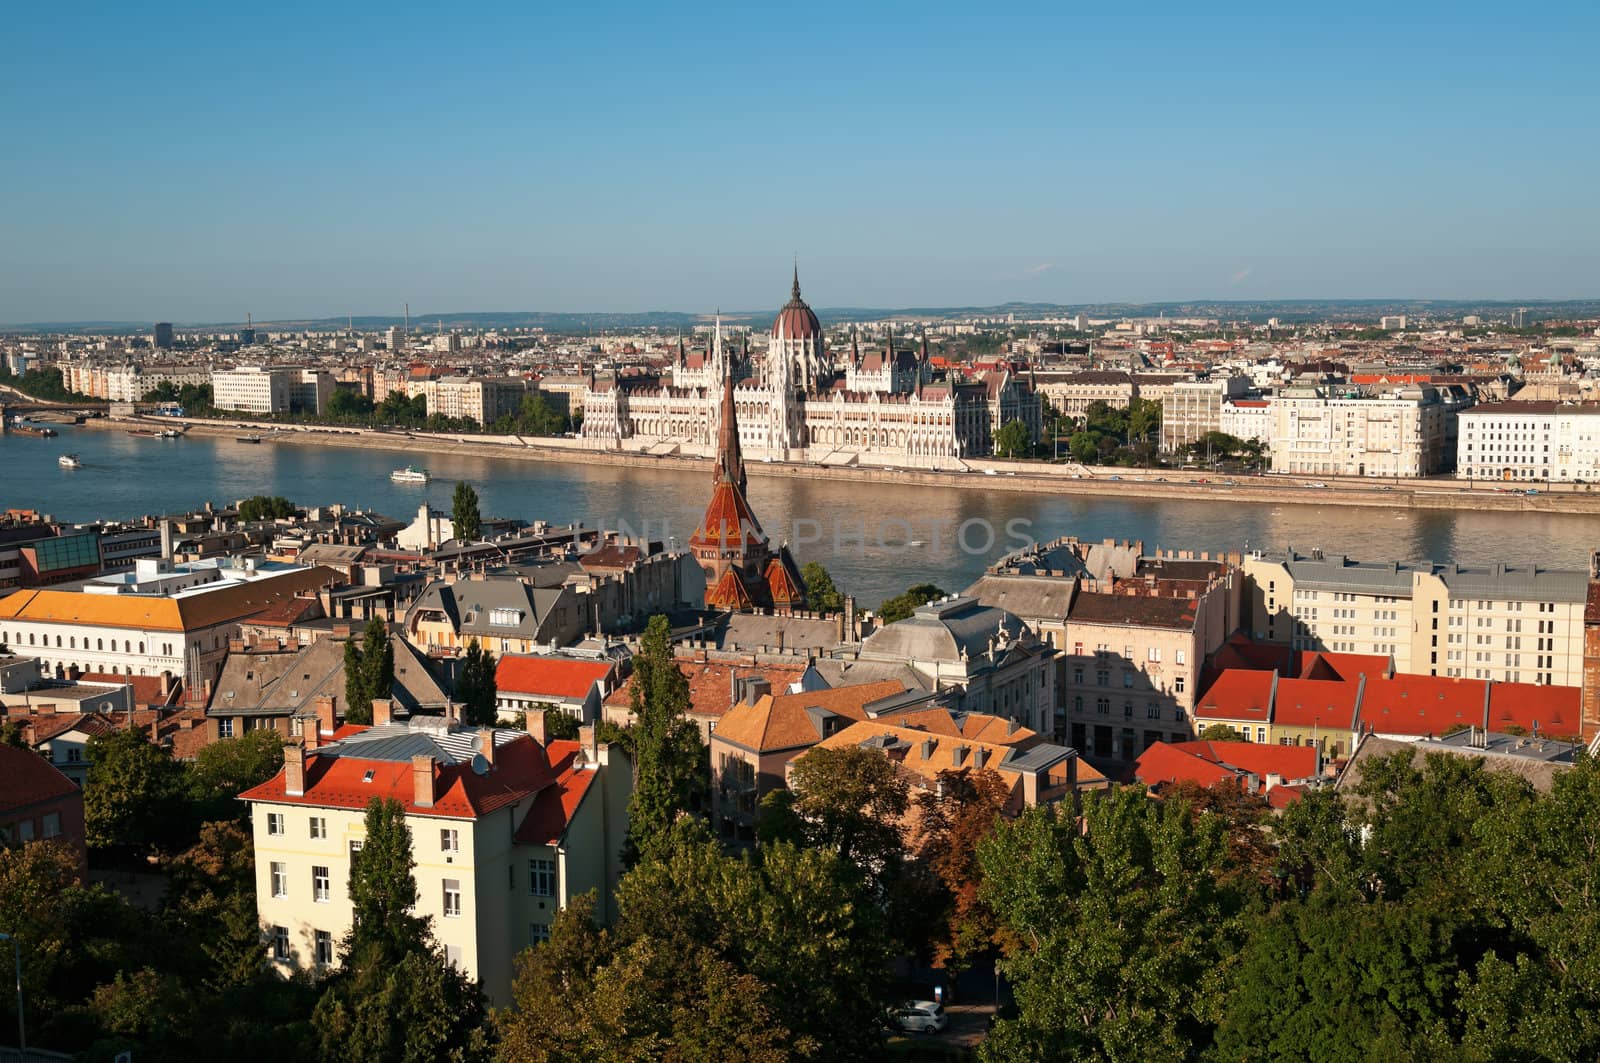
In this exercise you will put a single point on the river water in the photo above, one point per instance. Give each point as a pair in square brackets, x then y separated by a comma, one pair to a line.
[875, 539]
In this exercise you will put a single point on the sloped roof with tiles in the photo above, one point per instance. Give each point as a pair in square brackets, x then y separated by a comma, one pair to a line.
[377, 762]
[711, 684]
[776, 722]
[28, 779]
[558, 677]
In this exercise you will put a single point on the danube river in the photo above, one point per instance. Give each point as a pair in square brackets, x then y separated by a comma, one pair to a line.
[875, 539]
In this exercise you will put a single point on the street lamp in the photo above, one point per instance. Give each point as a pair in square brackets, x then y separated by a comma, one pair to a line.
[22, 1034]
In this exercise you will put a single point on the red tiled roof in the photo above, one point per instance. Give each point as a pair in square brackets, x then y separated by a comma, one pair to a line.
[1322, 703]
[1421, 704]
[1163, 763]
[729, 593]
[1237, 695]
[146, 688]
[552, 676]
[338, 781]
[1555, 711]
[28, 779]
[1259, 758]
[556, 804]
[711, 684]
[1322, 665]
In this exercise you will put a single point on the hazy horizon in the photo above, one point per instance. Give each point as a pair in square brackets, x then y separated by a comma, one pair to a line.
[306, 163]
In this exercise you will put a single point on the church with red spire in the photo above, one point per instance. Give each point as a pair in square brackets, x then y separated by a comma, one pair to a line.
[743, 571]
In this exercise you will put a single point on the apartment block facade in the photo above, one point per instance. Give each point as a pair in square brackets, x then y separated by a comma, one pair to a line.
[1514, 624]
[1315, 433]
[1529, 442]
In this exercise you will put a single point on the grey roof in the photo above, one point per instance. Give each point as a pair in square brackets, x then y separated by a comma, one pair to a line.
[273, 684]
[425, 736]
[1040, 597]
[945, 630]
[1337, 572]
[836, 672]
[332, 553]
[1038, 757]
[748, 631]
[470, 604]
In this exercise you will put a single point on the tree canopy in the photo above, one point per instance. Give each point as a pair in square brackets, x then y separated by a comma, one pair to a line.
[464, 514]
[821, 595]
[670, 762]
[265, 507]
[368, 670]
[475, 687]
[903, 605]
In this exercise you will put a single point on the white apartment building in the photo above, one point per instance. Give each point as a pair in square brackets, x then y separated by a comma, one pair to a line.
[157, 620]
[506, 828]
[483, 399]
[1509, 624]
[255, 389]
[1541, 442]
[1320, 434]
[1249, 419]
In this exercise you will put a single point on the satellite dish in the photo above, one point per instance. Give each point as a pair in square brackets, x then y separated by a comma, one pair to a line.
[480, 764]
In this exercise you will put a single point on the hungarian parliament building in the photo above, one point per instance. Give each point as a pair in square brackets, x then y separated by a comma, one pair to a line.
[798, 401]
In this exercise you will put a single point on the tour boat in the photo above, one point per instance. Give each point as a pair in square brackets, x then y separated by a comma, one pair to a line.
[410, 475]
[69, 461]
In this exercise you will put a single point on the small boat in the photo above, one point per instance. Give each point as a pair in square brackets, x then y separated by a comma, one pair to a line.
[410, 475]
[141, 431]
[171, 433]
[69, 461]
[247, 439]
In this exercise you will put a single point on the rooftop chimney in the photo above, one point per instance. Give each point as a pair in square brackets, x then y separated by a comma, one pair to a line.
[309, 738]
[534, 719]
[382, 711]
[486, 744]
[586, 738]
[294, 771]
[327, 721]
[422, 780]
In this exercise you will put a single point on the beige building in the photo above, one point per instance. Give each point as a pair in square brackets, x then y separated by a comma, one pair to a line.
[1318, 434]
[1194, 408]
[506, 829]
[1505, 623]
[1071, 394]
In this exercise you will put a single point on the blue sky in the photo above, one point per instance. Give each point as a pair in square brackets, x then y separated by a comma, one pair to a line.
[198, 162]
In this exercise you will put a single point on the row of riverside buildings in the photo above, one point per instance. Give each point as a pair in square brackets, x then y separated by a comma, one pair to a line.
[800, 401]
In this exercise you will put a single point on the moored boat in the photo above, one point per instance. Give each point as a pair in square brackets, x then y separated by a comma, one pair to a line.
[410, 475]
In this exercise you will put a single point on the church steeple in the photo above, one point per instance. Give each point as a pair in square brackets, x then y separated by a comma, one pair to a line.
[730, 463]
[794, 292]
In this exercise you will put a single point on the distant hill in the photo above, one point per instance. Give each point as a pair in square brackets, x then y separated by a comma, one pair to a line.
[1287, 310]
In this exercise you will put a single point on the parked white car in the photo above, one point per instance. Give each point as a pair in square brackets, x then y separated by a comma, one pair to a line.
[919, 1016]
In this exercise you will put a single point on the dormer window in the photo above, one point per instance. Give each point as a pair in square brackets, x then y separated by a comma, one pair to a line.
[368, 776]
[505, 617]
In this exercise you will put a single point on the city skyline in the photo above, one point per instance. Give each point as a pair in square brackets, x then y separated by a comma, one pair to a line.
[344, 164]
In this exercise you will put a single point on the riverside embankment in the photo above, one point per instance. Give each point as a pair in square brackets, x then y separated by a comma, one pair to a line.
[982, 475]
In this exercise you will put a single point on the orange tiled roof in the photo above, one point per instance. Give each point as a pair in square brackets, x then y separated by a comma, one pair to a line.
[729, 593]
[553, 676]
[188, 613]
[711, 684]
[1237, 695]
[780, 721]
[557, 803]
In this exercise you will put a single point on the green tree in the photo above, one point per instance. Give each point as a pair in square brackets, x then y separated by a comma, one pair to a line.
[210, 910]
[464, 513]
[14, 734]
[475, 687]
[1120, 930]
[1220, 732]
[383, 889]
[417, 1008]
[821, 594]
[670, 764]
[558, 724]
[225, 769]
[852, 800]
[903, 605]
[368, 671]
[350, 405]
[1084, 447]
[134, 794]
[1012, 440]
[265, 507]
[396, 996]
